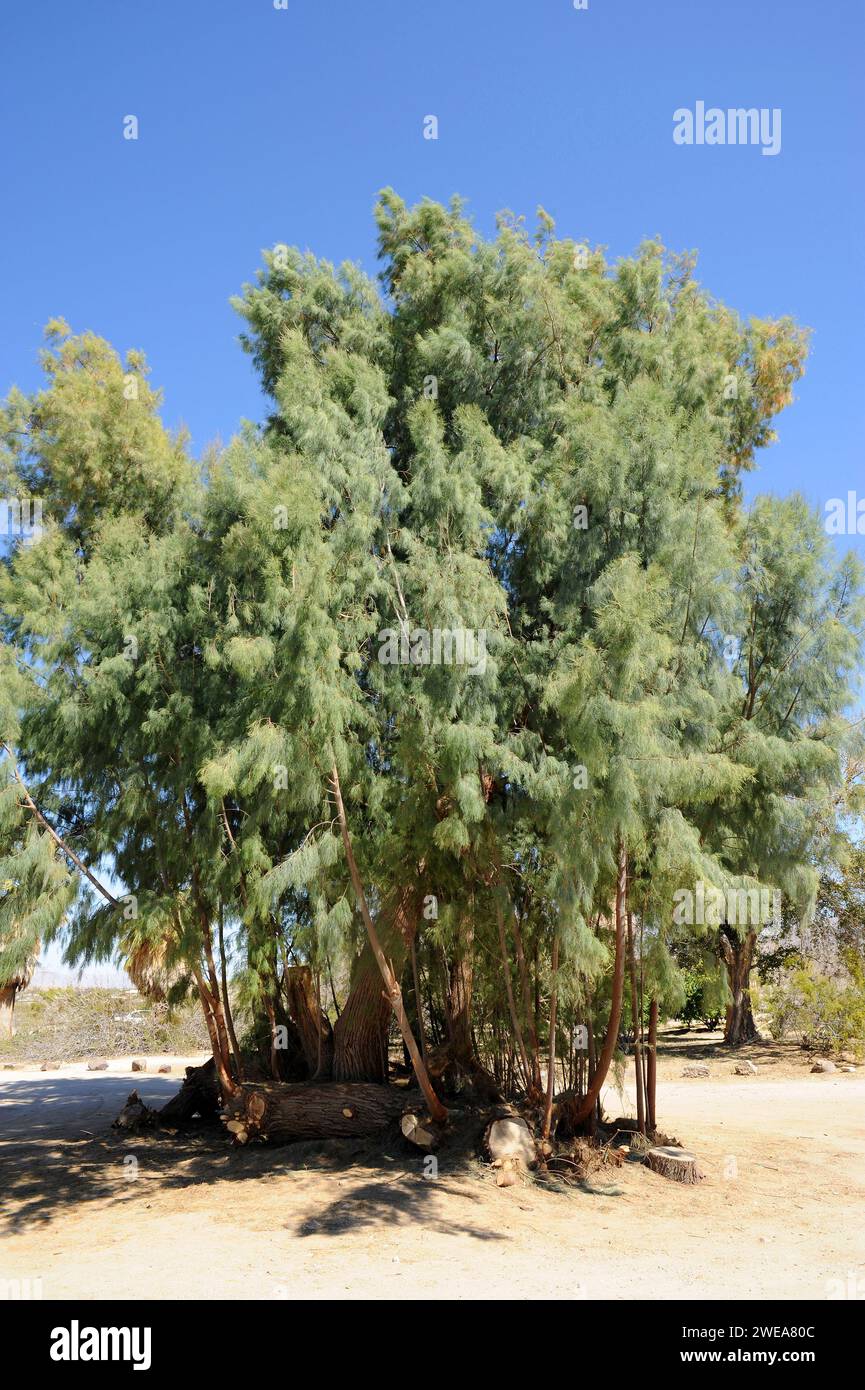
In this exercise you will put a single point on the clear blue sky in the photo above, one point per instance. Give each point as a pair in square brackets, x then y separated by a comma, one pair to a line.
[260, 125]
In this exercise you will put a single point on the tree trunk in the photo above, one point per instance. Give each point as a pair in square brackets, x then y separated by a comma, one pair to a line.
[530, 1013]
[583, 1110]
[652, 1065]
[7, 1010]
[437, 1111]
[226, 1002]
[461, 985]
[360, 1033]
[316, 1034]
[738, 953]
[551, 1069]
[283, 1114]
[418, 1001]
[220, 1052]
[638, 1028]
[512, 1008]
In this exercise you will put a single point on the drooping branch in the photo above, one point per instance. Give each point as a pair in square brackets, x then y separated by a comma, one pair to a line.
[58, 839]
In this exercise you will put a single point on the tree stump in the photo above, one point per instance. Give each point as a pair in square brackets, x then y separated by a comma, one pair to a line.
[135, 1115]
[510, 1147]
[199, 1095]
[677, 1164]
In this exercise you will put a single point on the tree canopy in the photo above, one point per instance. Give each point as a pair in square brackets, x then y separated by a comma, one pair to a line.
[486, 571]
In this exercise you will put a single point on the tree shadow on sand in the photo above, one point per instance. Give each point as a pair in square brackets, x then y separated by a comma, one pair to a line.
[400, 1202]
[59, 1155]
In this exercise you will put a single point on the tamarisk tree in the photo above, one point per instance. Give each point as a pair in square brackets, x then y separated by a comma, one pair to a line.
[447, 678]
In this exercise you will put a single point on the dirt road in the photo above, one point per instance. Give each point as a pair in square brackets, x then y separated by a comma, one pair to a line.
[780, 1215]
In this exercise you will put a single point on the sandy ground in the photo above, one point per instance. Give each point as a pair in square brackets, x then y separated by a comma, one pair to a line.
[93, 1214]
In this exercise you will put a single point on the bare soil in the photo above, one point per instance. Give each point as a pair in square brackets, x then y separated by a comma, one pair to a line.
[95, 1214]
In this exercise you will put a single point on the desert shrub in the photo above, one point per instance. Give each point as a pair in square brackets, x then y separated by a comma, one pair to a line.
[704, 998]
[70, 1024]
[827, 1012]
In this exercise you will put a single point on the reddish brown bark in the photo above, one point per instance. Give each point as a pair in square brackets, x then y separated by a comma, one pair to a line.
[637, 1024]
[528, 1010]
[584, 1109]
[551, 1070]
[361, 1031]
[512, 1008]
[652, 1065]
[313, 1026]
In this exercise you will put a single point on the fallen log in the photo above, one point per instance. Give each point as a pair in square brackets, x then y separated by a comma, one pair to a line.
[284, 1113]
[675, 1163]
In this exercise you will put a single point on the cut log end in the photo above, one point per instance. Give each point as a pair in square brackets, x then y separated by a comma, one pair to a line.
[511, 1148]
[420, 1130]
[677, 1164]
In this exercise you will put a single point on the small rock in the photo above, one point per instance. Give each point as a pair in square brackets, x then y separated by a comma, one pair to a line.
[745, 1069]
[822, 1065]
[9, 1066]
[50, 1066]
[698, 1070]
[139, 1066]
[165, 1068]
[847, 1068]
[97, 1066]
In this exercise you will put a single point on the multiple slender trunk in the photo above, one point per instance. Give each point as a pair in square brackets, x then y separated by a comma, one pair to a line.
[586, 1104]
[637, 1021]
[551, 1068]
[652, 1067]
[528, 1071]
[392, 988]
[355, 1049]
